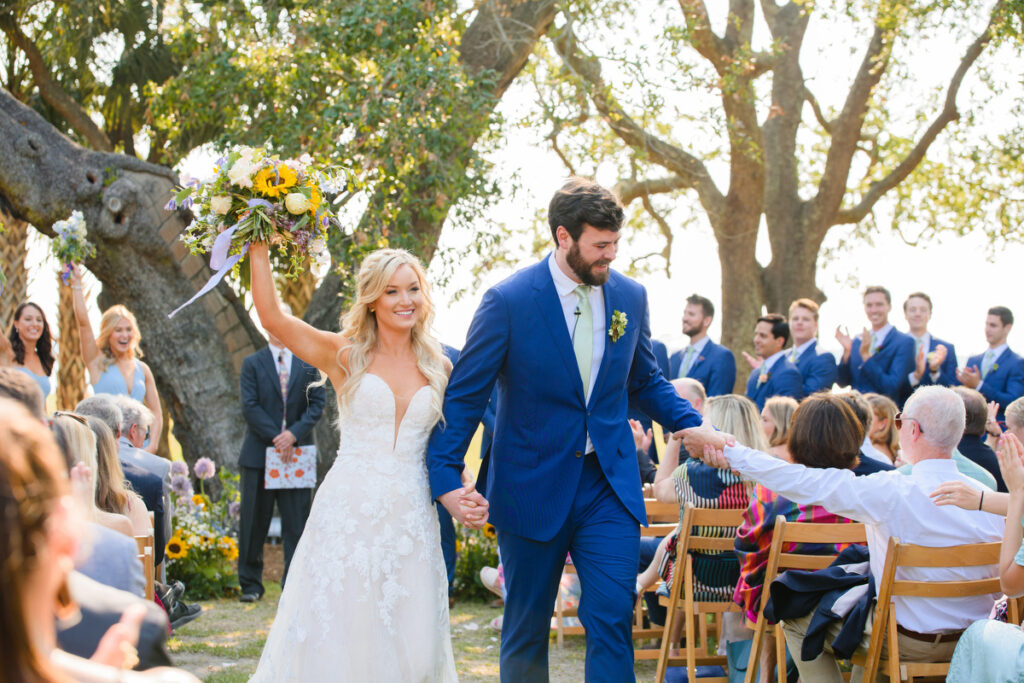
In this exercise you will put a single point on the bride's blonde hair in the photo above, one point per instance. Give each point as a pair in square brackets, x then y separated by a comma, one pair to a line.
[359, 325]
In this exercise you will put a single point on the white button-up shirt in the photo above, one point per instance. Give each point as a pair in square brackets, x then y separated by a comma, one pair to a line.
[565, 288]
[276, 352]
[893, 504]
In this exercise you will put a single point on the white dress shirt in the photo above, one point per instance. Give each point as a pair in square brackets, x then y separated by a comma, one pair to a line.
[800, 350]
[892, 504]
[878, 336]
[771, 360]
[923, 342]
[565, 288]
[276, 352]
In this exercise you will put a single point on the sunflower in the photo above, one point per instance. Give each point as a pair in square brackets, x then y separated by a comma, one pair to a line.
[199, 501]
[228, 547]
[489, 531]
[314, 199]
[176, 548]
[274, 181]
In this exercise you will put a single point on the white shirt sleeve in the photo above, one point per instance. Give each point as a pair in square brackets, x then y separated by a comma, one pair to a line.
[864, 499]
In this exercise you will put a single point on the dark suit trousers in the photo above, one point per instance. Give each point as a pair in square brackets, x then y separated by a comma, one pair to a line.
[255, 514]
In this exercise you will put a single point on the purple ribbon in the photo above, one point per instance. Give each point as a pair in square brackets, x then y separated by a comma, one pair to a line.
[220, 262]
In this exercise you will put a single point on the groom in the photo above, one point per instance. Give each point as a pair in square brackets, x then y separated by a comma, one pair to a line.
[568, 343]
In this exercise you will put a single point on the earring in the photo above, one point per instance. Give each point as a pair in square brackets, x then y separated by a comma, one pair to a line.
[372, 309]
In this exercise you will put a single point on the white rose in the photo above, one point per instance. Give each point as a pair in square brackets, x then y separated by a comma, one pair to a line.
[241, 172]
[220, 204]
[297, 203]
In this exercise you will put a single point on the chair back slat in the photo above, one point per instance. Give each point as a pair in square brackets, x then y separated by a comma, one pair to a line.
[661, 513]
[945, 589]
[974, 555]
[814, 532]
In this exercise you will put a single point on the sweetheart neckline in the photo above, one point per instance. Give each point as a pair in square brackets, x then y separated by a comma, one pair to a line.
[394, 402]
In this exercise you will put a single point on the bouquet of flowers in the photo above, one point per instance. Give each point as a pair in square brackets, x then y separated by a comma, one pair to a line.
[203, 548]
[71, 245]
[258, 197]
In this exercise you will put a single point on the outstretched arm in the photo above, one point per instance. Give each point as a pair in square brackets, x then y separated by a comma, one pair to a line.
[152, 401]
[316, 347]
[90, 352]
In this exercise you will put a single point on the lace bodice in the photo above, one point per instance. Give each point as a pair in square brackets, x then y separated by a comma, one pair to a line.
[369, 428]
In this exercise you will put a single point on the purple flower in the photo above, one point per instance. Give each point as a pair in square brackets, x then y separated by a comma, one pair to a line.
[325, 221]
[233, 508]
[187, 204]
[221, 161]
[181, 486]
[204, 468]
[179, 468]
[171, 205]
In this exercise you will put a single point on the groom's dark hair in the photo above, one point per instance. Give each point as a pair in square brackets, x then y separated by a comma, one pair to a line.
[581, 201]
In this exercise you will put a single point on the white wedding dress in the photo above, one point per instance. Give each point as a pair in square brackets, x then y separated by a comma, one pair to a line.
[367, 594]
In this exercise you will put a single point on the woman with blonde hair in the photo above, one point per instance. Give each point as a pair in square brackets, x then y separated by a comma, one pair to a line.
[113, 357]
[366, 597]
[113, 492]
[78, 445]
[883, 433]
[775, 418]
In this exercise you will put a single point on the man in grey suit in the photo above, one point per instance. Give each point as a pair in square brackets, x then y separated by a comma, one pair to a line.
[280, 410]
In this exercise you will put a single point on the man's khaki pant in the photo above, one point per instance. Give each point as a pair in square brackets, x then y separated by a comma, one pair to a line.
[824, 667]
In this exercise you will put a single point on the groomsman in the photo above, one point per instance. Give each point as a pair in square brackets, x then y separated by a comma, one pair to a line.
[776, 375]
[817, 367]
[934, 359]
[884, 356]
[280, 410]
[709, 363]
[999, 372]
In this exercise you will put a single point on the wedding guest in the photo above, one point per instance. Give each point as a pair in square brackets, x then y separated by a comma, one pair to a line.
[775, 419]
[774, 375]
[19, 387]
[1015, 418]
[32, 345]
[934, 359]
[281, 404]
[889, 505]
[824, 432]
[38, 543]
[998, 373]
[872, 460]
[972, 445]
[883, 433]
[816, 366]
[112, 358]
[709, 363]
[6, 352]
[111, 493]
[883, 357]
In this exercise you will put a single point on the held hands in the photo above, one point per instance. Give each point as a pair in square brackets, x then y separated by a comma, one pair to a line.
[466, 504]
[707, 444]
[753, 361]
[970, 377]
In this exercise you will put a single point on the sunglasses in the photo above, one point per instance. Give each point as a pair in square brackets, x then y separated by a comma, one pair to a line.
[898, 421]
[74, 416]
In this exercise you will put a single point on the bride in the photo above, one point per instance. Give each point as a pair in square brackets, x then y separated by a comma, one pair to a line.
[367, 595]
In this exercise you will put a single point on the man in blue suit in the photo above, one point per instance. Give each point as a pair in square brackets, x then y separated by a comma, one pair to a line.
[999, 372]
[775, 374]
[884, 356]
[568, 344]
[280, 410]
[817, 367]
[709, 363]
[934, 358]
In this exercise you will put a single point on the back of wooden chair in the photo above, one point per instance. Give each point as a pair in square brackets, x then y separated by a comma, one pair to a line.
[783, 534]
[145, 547]
[722, 525]
[662, 520]
[907, 555]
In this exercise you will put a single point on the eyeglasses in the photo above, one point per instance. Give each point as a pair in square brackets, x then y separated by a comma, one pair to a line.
[898, 421]
[74, 416]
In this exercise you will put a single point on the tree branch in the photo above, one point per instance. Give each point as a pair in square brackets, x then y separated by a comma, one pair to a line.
[947, 115]
[630, 189]
[688, 167]
[702, 38]
[50, 90]
[816, 108]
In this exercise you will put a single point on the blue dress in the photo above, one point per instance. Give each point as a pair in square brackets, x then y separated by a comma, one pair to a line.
[112, 382]
[42, 380]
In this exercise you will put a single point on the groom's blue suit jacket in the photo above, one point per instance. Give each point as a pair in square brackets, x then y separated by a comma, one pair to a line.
[520, 340]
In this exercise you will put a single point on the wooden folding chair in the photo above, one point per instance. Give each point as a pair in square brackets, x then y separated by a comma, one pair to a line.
[694, 610]
[906, 555]
[145, 546]
[783, 534]
[662, 519]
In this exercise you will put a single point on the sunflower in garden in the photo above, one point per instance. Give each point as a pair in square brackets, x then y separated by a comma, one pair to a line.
[489, 531]
[273, 181]
[229, 548]
[176, 548]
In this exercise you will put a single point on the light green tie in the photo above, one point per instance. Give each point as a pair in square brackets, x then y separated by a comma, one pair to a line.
[793, 355]
[684, 369]
[583, 336]
[874, 344]
[918, 342]
[986, 365]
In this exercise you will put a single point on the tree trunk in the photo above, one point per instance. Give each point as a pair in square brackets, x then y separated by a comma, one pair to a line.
[742, 294]
[13, 249]
[195, 356]
[70, 366]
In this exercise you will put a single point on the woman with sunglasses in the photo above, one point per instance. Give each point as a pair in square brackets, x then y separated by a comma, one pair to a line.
[32, 346]
[113, 356]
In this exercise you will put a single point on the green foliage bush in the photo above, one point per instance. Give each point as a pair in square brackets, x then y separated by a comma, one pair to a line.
[475, 549]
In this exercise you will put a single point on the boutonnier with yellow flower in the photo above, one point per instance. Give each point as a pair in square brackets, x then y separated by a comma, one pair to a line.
[255, 196]
[618, 326]
[764, 377]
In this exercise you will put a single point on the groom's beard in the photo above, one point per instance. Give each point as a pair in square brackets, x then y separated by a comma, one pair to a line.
[584, 269]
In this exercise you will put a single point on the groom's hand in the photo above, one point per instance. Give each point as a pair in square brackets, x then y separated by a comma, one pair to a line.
[466, 504]
[696, 438]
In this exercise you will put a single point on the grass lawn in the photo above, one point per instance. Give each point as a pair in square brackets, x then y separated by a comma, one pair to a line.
[224, 644]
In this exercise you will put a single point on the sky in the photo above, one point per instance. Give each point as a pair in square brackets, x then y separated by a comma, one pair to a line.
[958, 272]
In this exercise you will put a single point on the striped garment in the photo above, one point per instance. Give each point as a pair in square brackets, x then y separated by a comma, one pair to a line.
[754, 541]
[703, 486]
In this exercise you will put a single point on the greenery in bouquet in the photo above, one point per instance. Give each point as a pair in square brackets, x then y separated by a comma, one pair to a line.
[71, 243]
[203, 549]
[258, 197]
[476, 548]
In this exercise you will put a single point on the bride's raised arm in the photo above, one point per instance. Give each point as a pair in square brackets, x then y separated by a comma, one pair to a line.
[316, 347]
